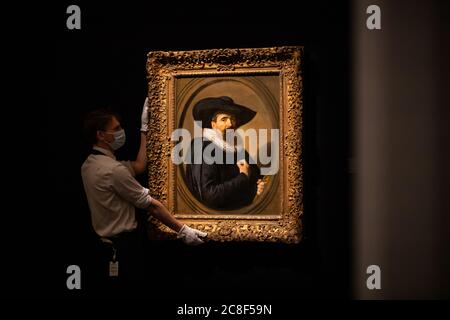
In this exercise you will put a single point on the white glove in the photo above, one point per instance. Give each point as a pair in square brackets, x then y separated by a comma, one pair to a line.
[191, 236]
[144, 117]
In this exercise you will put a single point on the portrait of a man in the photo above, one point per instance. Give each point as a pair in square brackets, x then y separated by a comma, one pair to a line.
[222, 184]
[225, 147]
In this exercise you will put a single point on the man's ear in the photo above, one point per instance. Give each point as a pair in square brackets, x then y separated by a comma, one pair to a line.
[213, 124]
[100, 135]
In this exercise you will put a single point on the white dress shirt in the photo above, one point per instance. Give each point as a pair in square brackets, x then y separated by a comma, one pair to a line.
[112, 193]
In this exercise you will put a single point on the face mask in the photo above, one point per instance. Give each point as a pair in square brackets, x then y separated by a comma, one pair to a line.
[119, 140]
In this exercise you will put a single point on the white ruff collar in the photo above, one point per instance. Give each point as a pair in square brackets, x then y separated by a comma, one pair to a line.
[215, 136]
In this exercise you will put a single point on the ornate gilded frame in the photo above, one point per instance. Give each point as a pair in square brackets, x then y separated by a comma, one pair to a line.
[162, 70]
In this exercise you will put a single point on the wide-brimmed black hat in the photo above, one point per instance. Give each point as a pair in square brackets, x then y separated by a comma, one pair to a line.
[205, 109]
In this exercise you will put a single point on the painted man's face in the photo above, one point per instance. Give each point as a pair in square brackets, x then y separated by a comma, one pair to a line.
[224, 121]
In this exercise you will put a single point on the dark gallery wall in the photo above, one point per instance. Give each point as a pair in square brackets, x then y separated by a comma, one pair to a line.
[400, 120]
[103, 64]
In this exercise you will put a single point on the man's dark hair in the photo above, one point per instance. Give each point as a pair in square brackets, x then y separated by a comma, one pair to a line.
[97, 120]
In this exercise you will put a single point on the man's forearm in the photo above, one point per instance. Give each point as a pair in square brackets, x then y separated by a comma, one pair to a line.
[160, 212]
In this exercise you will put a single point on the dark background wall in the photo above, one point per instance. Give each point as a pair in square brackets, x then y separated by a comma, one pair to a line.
[103, 64]
[375, 113]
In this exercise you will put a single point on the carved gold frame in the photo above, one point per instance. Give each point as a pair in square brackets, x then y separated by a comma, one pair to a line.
[162, 70]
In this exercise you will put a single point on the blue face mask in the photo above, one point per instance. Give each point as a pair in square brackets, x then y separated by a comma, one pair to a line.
[119, 140]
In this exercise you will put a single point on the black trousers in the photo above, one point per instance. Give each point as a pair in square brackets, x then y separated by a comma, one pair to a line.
[131, 255]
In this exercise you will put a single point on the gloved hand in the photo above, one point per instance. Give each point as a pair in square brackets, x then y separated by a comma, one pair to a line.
[191, 236]
[144, 117]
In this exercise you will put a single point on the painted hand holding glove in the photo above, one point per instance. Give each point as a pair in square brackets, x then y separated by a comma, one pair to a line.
[144, 117]
[191, 236]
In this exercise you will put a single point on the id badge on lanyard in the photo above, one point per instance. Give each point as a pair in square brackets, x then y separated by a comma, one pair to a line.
[114, 265]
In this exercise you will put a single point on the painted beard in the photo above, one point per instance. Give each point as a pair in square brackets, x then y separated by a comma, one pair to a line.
[224, 133]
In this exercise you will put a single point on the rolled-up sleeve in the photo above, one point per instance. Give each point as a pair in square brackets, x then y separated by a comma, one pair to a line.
[127, 187]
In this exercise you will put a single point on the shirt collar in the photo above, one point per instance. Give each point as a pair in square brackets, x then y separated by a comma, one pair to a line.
[105, 151]
[215, 136]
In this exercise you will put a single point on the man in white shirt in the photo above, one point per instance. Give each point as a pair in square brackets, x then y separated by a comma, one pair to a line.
[113, 192]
